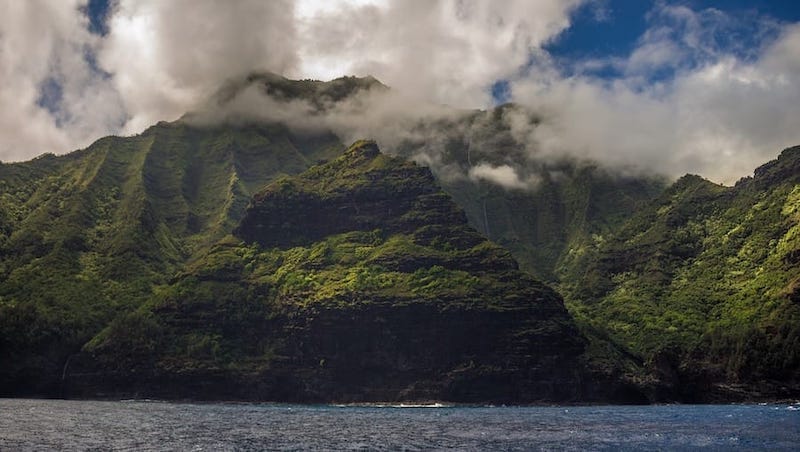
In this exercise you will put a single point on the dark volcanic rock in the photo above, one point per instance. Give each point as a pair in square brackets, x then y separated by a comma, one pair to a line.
[376, 352]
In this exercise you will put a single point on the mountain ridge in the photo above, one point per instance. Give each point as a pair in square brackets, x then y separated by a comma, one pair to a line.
[89, 239]
[352, 313]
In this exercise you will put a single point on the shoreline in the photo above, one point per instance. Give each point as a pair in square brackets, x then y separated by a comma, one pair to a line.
[421, 404]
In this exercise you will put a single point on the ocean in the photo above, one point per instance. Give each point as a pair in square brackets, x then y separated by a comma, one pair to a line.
[34, 424]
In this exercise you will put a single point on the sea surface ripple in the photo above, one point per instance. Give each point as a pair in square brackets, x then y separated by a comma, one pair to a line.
[30, 424]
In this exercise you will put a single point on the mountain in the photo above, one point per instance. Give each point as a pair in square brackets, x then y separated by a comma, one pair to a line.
[704, 286]
[561, 203]
[357, 280]
[146, 264]
[321, 95]
[88, 237]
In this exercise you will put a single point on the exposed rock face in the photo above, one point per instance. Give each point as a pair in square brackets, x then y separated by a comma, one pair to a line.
[376, 352]
[358, 280]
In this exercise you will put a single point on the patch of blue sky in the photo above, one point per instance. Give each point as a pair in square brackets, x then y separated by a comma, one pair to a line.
[97, 11]
[501, 92]
[605, 34]
[610, 30]
[51, 97]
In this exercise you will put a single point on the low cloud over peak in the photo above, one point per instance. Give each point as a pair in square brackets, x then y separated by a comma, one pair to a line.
[702, 91]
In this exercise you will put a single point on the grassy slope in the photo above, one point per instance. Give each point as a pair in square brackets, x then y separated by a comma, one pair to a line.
[704, 283]
[86, 236]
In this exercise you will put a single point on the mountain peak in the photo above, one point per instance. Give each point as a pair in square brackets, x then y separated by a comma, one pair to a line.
[281, 88]
[363, 189]
[690, 181]
[357, 280]
[363, 148]
[785, 168]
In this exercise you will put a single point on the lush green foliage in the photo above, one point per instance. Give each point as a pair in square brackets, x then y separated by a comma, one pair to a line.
[220, 313]
[708, 274]
[126, 246]
[85, 237]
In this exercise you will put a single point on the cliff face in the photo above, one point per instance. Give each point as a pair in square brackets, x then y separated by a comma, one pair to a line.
[377, 351]
[358, 280]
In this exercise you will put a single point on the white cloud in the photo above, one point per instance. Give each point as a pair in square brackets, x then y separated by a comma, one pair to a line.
[307, 9]
[445, 51]
[722, 114]
[46, 44]
[503, 175]
[719, 106]
[166, 56]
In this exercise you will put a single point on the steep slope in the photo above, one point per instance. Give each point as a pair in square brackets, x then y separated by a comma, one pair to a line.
[85, 236]
[553, 207]
[557, 205]
[88, 237]
[358, 280]
[704, 285]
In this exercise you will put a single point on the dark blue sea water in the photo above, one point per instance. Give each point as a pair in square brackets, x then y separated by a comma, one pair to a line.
[143, 425]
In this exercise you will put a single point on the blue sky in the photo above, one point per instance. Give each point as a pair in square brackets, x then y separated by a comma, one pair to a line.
[98, 10]
[605, 30]
[612, 27]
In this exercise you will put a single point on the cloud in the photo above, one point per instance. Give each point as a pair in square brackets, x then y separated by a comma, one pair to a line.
[723, 111]
[448, 51]
[702, 91]
[457, 144]
[503, 175]
[167, 56]
[64, 87]
[160, 59]
[52, 97]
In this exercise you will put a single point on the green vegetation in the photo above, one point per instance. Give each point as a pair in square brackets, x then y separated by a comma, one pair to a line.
[281, 88]
[85, 238]
[707, 276]
[227, 249]
[567, 203]
[251, 304]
